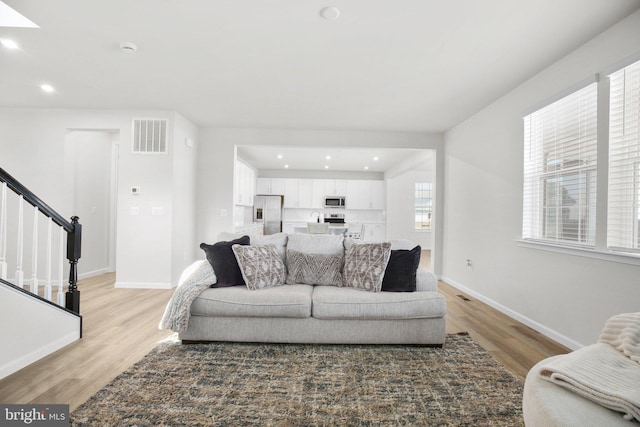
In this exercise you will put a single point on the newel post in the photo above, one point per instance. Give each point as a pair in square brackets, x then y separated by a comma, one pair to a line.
[74, 240]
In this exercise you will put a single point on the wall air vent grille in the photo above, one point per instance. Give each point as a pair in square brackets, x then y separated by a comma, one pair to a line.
[149, 136]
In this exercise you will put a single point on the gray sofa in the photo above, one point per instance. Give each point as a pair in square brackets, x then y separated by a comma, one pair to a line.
[320, 314]
[311, 313]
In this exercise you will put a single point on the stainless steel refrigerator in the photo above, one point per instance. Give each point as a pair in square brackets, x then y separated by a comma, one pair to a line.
[268, 210]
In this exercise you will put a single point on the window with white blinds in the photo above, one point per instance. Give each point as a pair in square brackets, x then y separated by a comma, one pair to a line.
[560, 152]
[623, 218]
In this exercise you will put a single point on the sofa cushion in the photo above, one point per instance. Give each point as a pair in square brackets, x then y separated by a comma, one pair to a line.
[345, 303]
[280, 301]
[364, 266]
[261, 266]
[314, 269]
[221, 257]
[328, 244]
[400, 275]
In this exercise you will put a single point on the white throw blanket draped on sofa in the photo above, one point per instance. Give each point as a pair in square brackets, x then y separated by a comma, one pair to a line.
[196, 278]
[604, 372]
[623, 333]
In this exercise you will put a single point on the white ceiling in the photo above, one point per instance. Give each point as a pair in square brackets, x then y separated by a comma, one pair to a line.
[407, 65]
[341, 159]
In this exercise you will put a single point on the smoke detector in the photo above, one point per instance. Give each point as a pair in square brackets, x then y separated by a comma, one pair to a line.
[330, 12]
[128, 47]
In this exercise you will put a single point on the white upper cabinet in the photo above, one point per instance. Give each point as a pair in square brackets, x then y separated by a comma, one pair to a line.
[271, 186]
[377, 195]
[317, 201]
[244, 185]
[335, 187]
[291, 199]
[305, 193]
[310, 193]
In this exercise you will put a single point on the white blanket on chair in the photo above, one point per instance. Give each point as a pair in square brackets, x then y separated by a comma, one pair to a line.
[195, 278]
[623, 333]
[601, 374]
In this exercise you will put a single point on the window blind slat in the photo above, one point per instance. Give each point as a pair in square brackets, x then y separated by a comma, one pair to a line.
[560, 170]
[623, 225]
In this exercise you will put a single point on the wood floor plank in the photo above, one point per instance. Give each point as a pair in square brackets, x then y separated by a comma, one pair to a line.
[120, 327]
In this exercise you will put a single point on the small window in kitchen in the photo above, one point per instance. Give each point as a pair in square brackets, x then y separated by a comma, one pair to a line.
[423, 205]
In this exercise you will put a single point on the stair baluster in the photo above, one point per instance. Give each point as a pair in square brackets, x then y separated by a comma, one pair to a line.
[61, 269]
[47, 286]
[19, 272]
[34, 254]
[3, 233]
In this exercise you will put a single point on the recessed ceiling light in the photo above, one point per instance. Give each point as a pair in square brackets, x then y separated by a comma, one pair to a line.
[330, 12]
[328, 157]
[286, 166]
[279, 156]
[375, 159]
[47, 88]
[9, 44]
[366, 168]
[326, 166]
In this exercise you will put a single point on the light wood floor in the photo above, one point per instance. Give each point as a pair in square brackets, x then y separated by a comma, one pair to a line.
[120, 327]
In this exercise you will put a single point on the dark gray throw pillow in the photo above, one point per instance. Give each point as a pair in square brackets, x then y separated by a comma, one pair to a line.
[224, 263]
[400, 275]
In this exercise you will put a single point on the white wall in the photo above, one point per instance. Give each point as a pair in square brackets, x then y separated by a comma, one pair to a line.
[566, 296]
[400, 207]
[91, 168]
[184, 247]
[217, 153]
[145, 243]
[37, 329]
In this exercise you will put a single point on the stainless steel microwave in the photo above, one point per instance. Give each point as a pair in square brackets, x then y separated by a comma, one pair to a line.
[334, 202]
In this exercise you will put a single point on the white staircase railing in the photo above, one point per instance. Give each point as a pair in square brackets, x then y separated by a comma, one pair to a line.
[70, 232]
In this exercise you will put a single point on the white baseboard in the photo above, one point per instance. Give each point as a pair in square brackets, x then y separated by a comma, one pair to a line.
[94, 273]
[554, 335]
[143, 285]
[15, 365]
[54, 284]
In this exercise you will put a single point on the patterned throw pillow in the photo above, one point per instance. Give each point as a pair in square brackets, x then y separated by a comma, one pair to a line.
[314, 269]
[261, 266]
[365, 264]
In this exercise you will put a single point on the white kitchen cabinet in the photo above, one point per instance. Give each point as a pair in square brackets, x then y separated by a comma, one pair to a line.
[274, 186]
[291, 199]
[317, 194]
[263, 186]
[375, 232]
[377, 195]
[351, 194]
[244, 185]
[305, 193]
[365, 194]
[335, 187]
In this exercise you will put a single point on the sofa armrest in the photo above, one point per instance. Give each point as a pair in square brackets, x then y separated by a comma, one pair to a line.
[426, 281]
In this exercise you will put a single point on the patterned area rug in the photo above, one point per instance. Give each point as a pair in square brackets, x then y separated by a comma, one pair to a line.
[228, 384]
